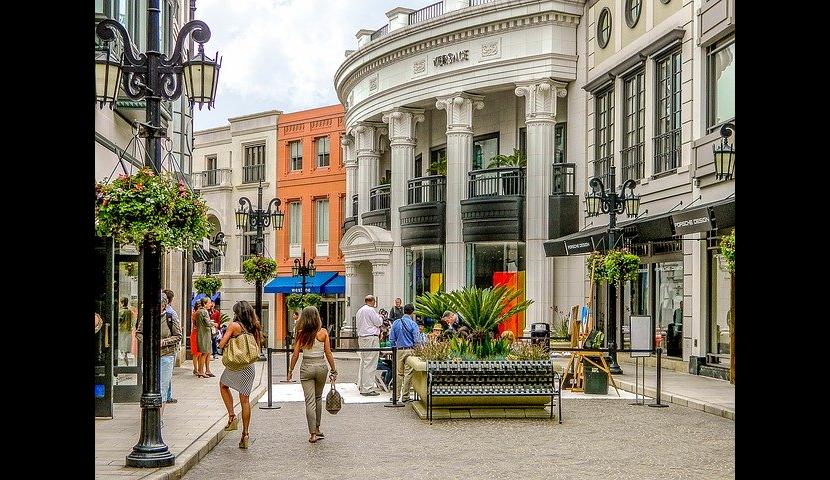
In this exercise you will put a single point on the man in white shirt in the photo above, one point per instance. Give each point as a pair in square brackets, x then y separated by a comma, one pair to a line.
[368, 327]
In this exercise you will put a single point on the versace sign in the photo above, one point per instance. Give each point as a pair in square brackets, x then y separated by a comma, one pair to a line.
[449, 58]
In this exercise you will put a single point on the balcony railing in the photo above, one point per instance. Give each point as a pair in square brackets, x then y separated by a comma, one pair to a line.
[253, 173]
[380, 32]
[633, 162]
[667, 151]
[212, 178]
[354, 205]
[427, 189]
[473, 3]
[379, 198]
[496, 181]
[602, 169]
[563, 179]
[426, 13]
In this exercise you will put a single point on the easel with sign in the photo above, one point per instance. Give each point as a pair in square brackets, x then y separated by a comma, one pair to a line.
[574, 379]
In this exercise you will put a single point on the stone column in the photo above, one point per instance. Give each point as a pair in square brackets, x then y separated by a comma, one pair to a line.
[381, 284]
[350, 160]
[459, 108]
[353, 303]
[402, 141]
[540, 118]
[367, 146]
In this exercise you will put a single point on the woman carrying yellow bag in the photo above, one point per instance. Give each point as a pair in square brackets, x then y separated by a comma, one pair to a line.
[242, 379]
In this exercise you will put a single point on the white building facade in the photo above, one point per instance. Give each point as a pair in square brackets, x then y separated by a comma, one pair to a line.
[228, 163]
[467, 81]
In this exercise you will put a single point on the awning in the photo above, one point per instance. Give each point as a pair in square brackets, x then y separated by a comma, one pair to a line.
[214, 298]
[583, 241]
[316, 284]
[202, 255]
[335, 285]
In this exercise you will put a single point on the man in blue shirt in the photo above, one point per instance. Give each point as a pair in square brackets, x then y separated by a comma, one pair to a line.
[405, 335]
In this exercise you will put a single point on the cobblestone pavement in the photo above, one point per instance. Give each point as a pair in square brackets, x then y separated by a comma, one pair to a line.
[608, 438]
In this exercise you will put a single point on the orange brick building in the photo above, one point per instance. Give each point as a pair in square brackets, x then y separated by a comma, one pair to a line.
[311, 180]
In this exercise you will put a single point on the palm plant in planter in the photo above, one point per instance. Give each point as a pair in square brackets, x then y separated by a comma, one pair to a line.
[484, 309]
[439, 166]
[510, 180]
[432, 305]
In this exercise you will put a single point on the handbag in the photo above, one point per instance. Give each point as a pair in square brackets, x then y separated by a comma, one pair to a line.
[334, 401]
[240, 351]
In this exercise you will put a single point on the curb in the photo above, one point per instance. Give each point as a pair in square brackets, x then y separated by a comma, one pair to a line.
[190, 456]
[680, 400]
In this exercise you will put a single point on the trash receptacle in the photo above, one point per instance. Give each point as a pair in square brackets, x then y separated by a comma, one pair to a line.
[540, 335]
[596, 381]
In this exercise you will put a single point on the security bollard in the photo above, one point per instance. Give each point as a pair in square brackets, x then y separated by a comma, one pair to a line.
[659, 375]
[270, 405]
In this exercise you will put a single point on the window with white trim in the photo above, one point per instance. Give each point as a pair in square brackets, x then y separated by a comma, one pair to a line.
[295, 229]
[321, 233]
[296, 153]
[322, 152]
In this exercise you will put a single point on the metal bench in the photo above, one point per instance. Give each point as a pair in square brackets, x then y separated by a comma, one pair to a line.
[493, 378]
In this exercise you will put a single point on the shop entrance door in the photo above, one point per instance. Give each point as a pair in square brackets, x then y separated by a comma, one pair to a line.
[126, 349]
[103, 332]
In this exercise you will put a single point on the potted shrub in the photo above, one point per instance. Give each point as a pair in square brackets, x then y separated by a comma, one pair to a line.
[431, 306]
[258, 268]
[207, 284]
[147, 207]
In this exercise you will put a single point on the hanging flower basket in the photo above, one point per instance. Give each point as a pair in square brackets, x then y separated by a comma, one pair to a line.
[620, 265]
[596, 262]
[207, 285]
[259, 268]
[297, 302]
[145, 206]
[727, 249]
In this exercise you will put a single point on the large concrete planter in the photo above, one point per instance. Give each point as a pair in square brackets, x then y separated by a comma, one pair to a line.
[473, 406]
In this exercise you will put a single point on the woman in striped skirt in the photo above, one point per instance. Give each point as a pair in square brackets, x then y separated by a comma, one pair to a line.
[245, 320]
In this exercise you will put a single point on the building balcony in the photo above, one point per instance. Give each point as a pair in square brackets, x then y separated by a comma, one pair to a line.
[563, 202]
[220, 177]
[253, 173]
[494, 208]
[423, 216]
[351, 221]
[378, 214]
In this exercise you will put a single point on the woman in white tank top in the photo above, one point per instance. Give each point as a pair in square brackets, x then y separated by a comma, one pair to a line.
[313, 340]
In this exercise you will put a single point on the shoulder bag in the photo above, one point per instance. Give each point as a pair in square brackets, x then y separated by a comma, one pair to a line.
[334, 401]
[241, 351]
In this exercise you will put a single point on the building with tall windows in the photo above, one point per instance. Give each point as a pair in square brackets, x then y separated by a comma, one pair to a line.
[439, 99]
[312, 180]
[119, 151]
[231, 162]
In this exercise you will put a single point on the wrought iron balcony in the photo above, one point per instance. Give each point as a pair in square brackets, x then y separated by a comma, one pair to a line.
[379, 198]
[253, 173]
[496, 181]
[212, 178]
[422, 218]
[426, 13]
[563, 179]
[426, 189]
[494, 207]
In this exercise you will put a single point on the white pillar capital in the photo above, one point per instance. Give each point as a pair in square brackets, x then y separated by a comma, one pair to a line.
[459, 107]
[540, 98]
[379, 268]
[351, 269]
[402, 123]
[367, 138]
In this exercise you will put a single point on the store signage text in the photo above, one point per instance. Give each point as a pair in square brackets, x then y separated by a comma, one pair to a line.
[581, 246]
[698, 220]
[449, 58]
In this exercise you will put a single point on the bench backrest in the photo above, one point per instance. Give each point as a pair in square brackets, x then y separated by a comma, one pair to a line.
[527, 373]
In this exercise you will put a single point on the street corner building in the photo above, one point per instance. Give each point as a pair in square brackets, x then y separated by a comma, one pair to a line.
[473, 127]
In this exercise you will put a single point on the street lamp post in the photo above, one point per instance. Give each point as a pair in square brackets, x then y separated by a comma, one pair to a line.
[303, 269]
[258, 218]
[724, 154]
[612, 203]
[153, 76]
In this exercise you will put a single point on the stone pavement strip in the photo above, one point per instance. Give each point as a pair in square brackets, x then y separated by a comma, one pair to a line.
[192, 427]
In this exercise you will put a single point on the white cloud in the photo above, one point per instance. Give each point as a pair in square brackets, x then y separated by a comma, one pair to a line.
[281, 54]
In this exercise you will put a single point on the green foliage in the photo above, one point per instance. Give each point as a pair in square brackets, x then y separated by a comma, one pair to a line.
[259, 268]
[433, 351]
[561, 324]
[297, 302]
[484, 309]
[207, 284]
[146, 206]
[527, 351]
[224, 319]
[439, 167]
[620, 265]
[727, 249]
[597, 343]
[432, 305]
[596, 261]
[517, 159]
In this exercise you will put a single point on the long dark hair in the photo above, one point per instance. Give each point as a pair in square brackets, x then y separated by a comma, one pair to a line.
[307, 326]
[244, 313]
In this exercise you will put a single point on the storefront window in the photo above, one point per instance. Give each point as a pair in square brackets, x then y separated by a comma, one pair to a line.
[669, 307]
[636, 302]
[485, 147]
[126, 348]
[425, 272]
[502, 263]
[719, 293]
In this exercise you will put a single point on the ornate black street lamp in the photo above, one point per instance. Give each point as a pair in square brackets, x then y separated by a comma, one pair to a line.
[724, 153]
[248, 218]
[221, 246]
[304, 269]
[612, 203]
[153, 76]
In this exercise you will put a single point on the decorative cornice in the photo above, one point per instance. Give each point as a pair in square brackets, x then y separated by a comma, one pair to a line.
[478, 31]
[367, 137]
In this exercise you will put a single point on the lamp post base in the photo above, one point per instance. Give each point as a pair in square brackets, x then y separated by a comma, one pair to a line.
[268, 407]
[151, 459]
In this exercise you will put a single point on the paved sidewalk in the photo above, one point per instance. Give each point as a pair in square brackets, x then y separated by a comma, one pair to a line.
[694, 391]
[192, 426]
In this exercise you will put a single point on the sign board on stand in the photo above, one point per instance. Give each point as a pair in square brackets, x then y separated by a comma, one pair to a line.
[641, 336]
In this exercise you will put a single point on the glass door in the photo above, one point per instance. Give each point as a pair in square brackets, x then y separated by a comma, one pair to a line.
[126, 310]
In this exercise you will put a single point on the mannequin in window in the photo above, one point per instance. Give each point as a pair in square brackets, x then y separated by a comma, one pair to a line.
[674, 347]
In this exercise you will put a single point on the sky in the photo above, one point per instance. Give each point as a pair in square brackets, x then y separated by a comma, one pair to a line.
[282, 54]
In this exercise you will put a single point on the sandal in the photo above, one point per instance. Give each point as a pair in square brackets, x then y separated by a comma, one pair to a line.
[209, 375]
[320, 434]
[243, 443]
[233, 423]
[313, 438]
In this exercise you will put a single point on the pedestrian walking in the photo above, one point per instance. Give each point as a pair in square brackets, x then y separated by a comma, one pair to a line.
[171, 338]
[313, 340]
[194, 345]
[405, 335]
[204, 338]
[169, 315]
[368, 329]
[244, 320]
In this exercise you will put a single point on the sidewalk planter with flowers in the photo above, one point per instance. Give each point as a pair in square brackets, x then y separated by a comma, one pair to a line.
[146, 207]
[481, 310]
